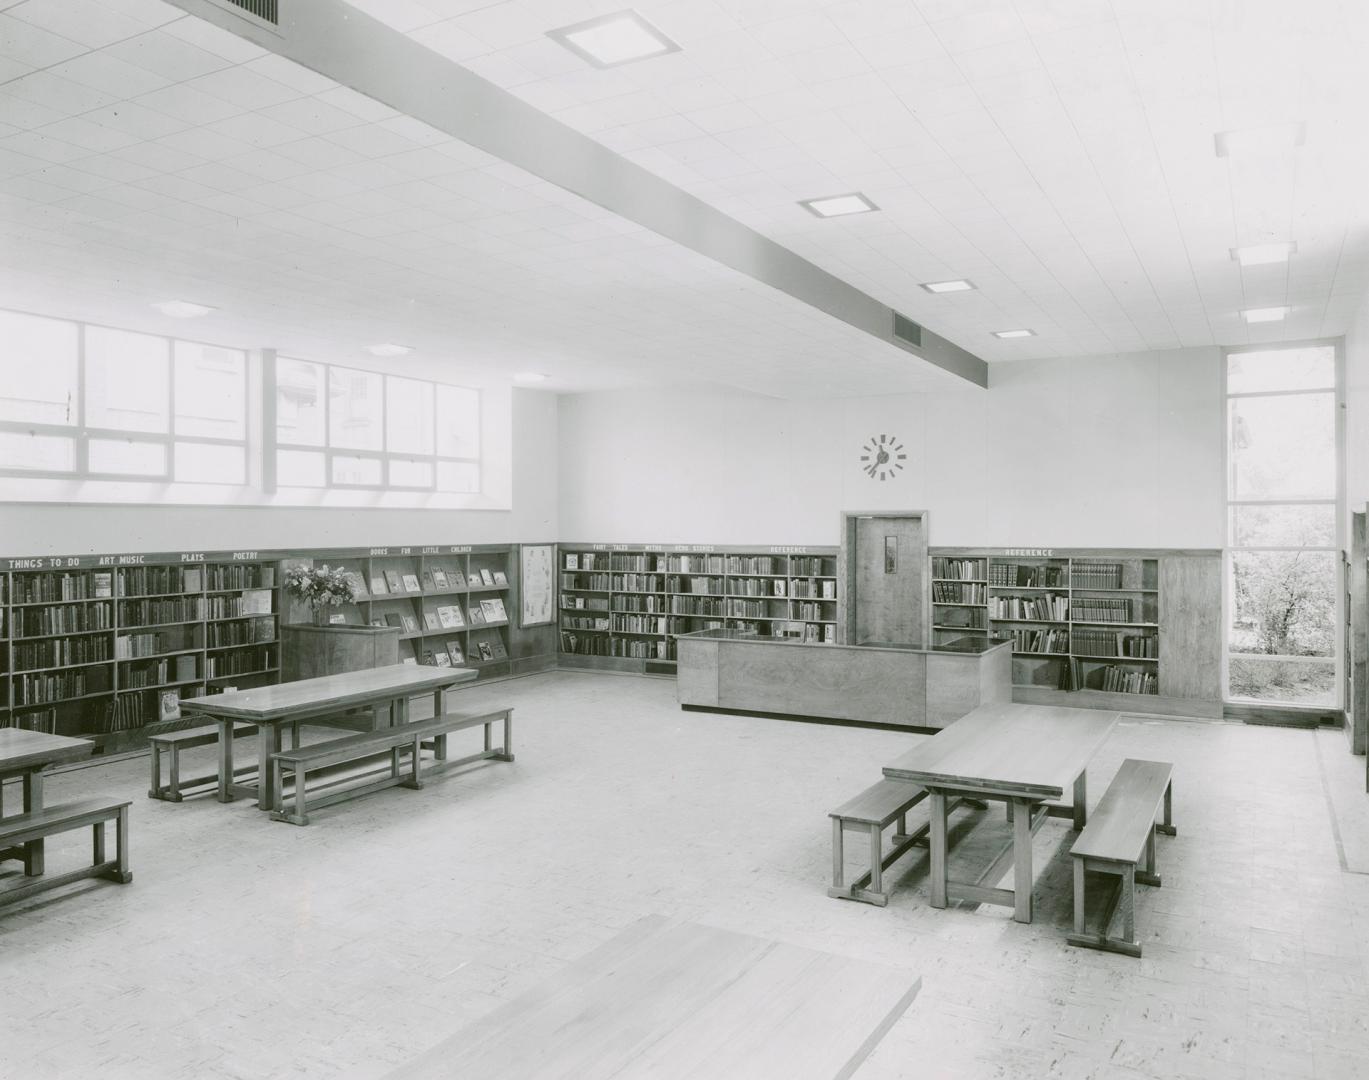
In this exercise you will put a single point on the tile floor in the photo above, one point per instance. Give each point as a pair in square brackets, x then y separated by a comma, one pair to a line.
[246, 948]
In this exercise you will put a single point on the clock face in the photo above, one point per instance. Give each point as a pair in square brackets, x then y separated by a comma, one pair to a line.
[883, 457]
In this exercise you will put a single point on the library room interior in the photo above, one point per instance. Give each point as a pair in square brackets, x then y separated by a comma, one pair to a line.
[717, 539]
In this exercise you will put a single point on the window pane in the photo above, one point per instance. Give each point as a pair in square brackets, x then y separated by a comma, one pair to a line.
[1283, 447]
[1281, 369]
[356, 470]
[50, 453]
[301, 468]
[39, 366]
[354, 404]
[411, 473]
[458, 422]
[209, 463]
[1284, 602]
[299, 402]
[1283, 681]
[409, 415]
[127, 380]
[127, 457]
[211, 391]
[1283, 526]
[458, 476]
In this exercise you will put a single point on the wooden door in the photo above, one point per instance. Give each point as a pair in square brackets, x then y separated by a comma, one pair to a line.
[1191, 626]
[885, 561]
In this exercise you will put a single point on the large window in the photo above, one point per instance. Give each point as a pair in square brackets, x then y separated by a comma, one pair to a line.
[96, 403]
[1283, 484]
[338, 427]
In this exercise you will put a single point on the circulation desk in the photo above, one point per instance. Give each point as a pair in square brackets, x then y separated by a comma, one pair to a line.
[879, 683]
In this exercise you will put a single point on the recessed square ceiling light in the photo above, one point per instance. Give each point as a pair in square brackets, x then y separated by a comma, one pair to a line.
[1260, 254]
[530, 377]
[838, 205]
[1264, 314]
[182, 309]
[614, 39]
[958, 285]
[389, 349]
[1259, 140]
[1014, 333]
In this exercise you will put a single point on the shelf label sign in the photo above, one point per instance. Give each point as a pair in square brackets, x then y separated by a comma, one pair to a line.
[380, 551]
[121, 560]
[192, 556]
[788, 550]
[1039, 553]
[244, 556]
[459, 549]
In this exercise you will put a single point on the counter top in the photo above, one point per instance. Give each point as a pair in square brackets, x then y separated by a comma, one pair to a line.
[970, 645]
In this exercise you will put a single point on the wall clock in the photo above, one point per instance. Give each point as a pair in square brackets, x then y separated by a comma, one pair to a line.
[883, 457]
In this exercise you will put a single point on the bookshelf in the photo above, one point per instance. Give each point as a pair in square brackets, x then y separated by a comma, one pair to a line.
[622, 606]
[1090, 626]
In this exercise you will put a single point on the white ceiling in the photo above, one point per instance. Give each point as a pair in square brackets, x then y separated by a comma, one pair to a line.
[1057, 153]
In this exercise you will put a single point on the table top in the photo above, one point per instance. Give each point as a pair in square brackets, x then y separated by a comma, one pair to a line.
[1031, 750]
[21, 749]
[283, 700]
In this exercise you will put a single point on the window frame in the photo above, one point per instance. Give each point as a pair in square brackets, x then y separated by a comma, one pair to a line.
[1337, 501]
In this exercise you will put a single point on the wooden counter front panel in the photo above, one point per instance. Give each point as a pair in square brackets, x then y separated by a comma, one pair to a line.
[957, 685]
[696, 674]
[876, 686]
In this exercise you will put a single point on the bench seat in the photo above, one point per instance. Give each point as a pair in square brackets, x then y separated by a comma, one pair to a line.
[405, 739]
[1120, 834]
[172, 743]
[66, 817]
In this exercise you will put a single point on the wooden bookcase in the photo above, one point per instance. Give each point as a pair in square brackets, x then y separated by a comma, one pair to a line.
[1091, 626]
[623, 605]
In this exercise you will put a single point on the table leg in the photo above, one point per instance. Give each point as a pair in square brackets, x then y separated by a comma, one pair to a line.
[33, 801]
[838, 856]
[437, 702]
[937, 836]
[225, 758]
[1081, 812]
[268, 743]
[1022, 860]
[401, 712]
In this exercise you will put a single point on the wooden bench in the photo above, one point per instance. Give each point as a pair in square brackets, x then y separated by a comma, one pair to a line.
[873, 809]
[406, 739]
[172, 743]
[1119, 834]
[23, 828]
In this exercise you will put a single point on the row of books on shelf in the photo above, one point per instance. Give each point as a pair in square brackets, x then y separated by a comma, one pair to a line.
[640, 624]
[61, 652]
[961, 619]
[39, 689]
[73, 619]
[1043, 608]
[1112, 643]
[584, 603]
[1039, 641]
[813, 589]
[133, 581]
[433, 579]
[247, 632]
[179, 669]
[1109, 678]
[240, 662]
[165, 610]
[660, 562]
[42, 720]
[446, 617]
[248, 602]
[647, 602]
[590, 582]
[1095, 575]
[1099, 609]
[603, 645]
[958, 569]
[947, 593]
[584, 622]
[1027, 575]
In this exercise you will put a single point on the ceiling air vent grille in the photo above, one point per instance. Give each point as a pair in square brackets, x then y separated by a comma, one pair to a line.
[262, 9]
[907, 331]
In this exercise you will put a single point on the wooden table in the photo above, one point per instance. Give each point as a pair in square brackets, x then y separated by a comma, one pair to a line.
[272, 707]
[27, 754]
[1022, 755]
[680, 1002]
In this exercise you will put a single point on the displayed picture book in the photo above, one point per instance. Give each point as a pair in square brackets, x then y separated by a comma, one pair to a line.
[454, 652]
[572, 561]
[356, 581]
[377, 622]
[449, 615]
[497, 648]
[477, 616]
[439, 579]
[256, 602]
[410, 624]
[486, 653]
[442, 659]
[393, 619]
[392, 581]
[103, 583]
[411, 583]
[429, 582]
[780, 587]
[431, 621]
[409, 660]
[456, 579]
[493, 610]
[192, 580]
[169, 706]
[501, 578]
[337, 618]
[185, 668]
[378, 586]
[487, 576]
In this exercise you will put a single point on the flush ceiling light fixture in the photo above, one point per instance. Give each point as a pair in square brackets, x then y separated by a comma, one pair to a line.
[530, 377]
[388, 348]
[182, 309]
[1014, 333]
[958, 285]
[1264, 314]
[1261, 254]
[610, 40]
[1268, 139]
[838, 205]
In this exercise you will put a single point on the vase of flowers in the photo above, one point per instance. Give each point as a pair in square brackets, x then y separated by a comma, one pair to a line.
[320, 587]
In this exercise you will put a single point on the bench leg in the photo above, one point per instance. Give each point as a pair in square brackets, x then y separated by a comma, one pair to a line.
[838, 855]
[394, 763]
[1129, 904]
[489, 736]
[876, 861]
[97, 855]
[1148, 876]
[415, 780]
[440, 748]
[278, 789]
[1123, 896]
[1168, 826]
[174, 764]
[1079, 896]
[154, 790]
[937, 837]
[301, 814]
[507, 755]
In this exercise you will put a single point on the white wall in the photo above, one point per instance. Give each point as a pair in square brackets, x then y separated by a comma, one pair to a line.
[1096, 451]
[58, 529]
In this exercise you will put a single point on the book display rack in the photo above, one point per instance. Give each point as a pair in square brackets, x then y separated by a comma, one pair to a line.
[100, 645]
[1081, 621]
[623, 605]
